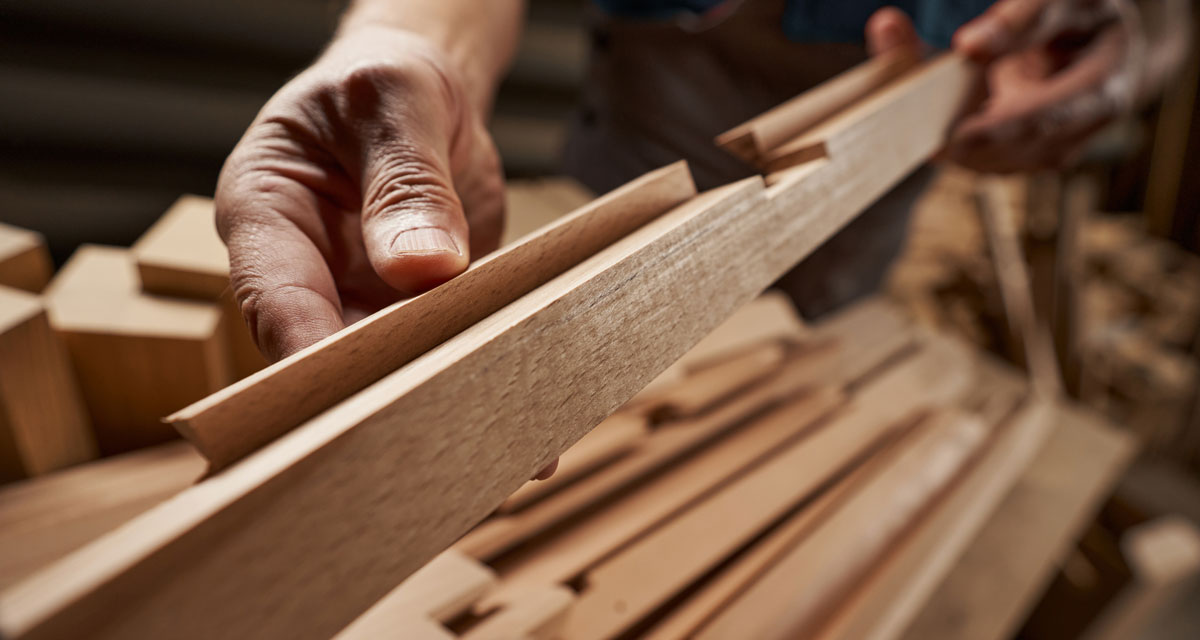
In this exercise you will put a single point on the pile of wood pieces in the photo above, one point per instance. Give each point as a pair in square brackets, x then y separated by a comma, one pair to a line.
[813, 482]
[778, 480]
[1124, 306]
[118, 338]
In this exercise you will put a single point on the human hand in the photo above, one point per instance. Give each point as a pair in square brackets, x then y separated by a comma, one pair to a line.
[1057, 72]
[367, 178]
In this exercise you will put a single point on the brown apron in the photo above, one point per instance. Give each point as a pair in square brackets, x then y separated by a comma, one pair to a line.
[661, 91]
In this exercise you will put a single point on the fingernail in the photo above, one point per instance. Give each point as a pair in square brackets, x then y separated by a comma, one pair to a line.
[426, 240]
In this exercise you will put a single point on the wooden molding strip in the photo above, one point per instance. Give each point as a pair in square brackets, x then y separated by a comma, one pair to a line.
[379, 484]
[244, 416]
[885, 603]
[753, 139]
[795, 594]
[931, 95]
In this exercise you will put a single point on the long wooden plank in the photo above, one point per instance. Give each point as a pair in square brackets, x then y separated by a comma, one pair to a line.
[753, 139]
[537, 615]
[704, 603]
[244, 416]
[998, 579]
[406, 466]
[886, 602]
[705, 389]
[640, 578]
[606, 530]
[790, 600]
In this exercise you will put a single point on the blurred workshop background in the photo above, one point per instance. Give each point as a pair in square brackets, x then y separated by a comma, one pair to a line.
[109, 111]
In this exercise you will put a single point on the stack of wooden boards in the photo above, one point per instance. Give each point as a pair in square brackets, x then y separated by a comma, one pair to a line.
[96, 356]
[404, 431]
[779, 480]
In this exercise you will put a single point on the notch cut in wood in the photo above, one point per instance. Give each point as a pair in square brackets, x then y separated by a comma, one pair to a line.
[235, 421]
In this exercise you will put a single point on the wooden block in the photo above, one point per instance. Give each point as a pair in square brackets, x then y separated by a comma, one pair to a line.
[137, 357]
[791, 599]
[412, 465]
[885, 603]
[993, 585]
[182, 255]
[614, 437]
[254, 411]
[752, 140]
[437, 592]
[24, 261]
[43, 422]
[44, 519]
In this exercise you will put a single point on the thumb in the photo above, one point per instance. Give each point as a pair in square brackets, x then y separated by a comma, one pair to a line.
[890, 29]
[414, 230]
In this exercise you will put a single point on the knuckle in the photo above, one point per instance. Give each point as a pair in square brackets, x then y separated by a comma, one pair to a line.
[405, 182]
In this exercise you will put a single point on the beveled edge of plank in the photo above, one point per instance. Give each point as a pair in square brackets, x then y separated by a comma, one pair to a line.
[222, 449]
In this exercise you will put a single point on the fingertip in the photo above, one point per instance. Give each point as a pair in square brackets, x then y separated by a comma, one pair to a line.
[890, 28]
[420, 259]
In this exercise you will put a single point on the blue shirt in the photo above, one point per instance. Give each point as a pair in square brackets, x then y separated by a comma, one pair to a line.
[824, 21]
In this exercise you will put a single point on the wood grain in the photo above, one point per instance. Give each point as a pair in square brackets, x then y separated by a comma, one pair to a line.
[250, 413]
[43, 421]
[24, 261]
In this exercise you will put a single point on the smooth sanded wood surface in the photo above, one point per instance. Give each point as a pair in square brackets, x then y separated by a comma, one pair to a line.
[753, 139]
[406, 466]
[181, 254]
[250, 413]
[24, 260]
[790, 600]
[43, 422]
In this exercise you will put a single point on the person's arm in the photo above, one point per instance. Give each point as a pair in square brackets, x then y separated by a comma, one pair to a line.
[370, 176]
[479, 38]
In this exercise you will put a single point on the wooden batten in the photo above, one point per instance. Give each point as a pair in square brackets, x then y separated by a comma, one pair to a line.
[230, 424]
[43, 422]
[24, 260]
[137, 357]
